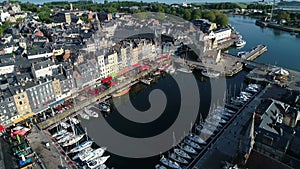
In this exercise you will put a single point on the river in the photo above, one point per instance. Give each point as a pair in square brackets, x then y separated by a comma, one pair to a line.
[282, 51]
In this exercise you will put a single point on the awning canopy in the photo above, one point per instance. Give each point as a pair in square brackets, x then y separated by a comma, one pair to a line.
[281, 71]
[144, 67]
[56, 103]
[113, 75]
[1, 128]
[106, 79]
[136, 65]
[123, 71]
[23, 118]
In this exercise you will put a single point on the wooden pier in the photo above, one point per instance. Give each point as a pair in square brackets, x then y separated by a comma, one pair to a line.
[255, 52]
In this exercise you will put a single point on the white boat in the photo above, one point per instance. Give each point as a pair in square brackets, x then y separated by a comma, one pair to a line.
[58, 133]
[241, 54]
[170, 163]
[207, 131]
[91, 113]
[177, 158]
[63, 135]
[102, 166]
[82, 152]
[73, 140]
[187, 148]
[65, 125]
[185, 70]
[84, 116]
[92, 154]
[191, 143]
[240, 43]
[181, 153]
[74, 120]
[210, 74]
[97, 162]
[147, 81]
[157, 166]
[104, 107]
[81, 146]
[65, 138]
[196, 138]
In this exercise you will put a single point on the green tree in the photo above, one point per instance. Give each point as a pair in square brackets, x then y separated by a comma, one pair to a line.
[187, 14]
[44, 17]
[196, 14]
[210, 15]
[222, 19]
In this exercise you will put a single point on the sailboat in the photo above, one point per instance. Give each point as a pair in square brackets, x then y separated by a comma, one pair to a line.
[58, 133]
[82, 152]
[92, 154]
[169, 163]
[178, 158]
[91, 113]
[196, 138]
[97, 162]
[181, 153]
[73, 140]
[187, 148]
[81, 146]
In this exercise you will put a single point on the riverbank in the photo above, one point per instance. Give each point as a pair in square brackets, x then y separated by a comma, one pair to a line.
[277, 26]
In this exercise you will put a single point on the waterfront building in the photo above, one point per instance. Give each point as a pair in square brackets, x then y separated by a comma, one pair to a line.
[111, 63]
[44, 68]
[102, 67]
[7, 64]
[8, 107]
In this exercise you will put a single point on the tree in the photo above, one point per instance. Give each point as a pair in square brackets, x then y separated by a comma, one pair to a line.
[187, 14]
[196, 14]
[44, 16]
[210, 15]
[222, 19]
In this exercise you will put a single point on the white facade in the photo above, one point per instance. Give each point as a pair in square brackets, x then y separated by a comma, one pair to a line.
[4, 16]
[42, 72]
[7, 69]
[223, 34]
[102, 69]
[41, 55]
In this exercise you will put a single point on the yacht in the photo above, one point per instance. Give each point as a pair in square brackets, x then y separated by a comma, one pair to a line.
[181, 153]
[84, 116]
[74, 120]
[240, 43]
[65, 125]
[196, 138]
[104, 107]
[191, 143]
[92, 154]
[81, 146]
[187, 148]
[58, 133]
[65, 138]
[207, 131]
[157, 166]
[82, 152]
[91, 113]
[185, 70]
[73, 140]
[61, 136]
[147, 81]
[170, 163]
[210, 74]
[177, 158]
[97, 162]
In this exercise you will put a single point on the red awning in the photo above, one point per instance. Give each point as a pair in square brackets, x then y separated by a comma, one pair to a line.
[136, 65]
[123, 71]
[144, 67]
[106, 79]
[1, 128]
[112, 83]
[19, 132]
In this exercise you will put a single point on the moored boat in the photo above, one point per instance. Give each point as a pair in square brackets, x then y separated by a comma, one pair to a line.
[81, 146]
[240, 43]
[210, 74]
[178, 158]
[97, 162]
[170, 163]
[181, 153]
[74, 140]
[121, 92]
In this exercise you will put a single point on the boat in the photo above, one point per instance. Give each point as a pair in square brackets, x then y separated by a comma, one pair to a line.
[84, 116]
[157, 166]
[147, 81]
[187, 148]
[81, 146]
[65, 138]
[97, 162]
[241, 54]
[74, 120]
[65, 125]
[121, 92]
[207, 131]
[177, 158]
[196, 138]
[58, 133]
[240, 43]
[92, 154]
[91, 113]
[191, 143]
[104, 107]
[169, 163]
[82, 152]
[210, 74]
[181, 153]
[61, 136]
[185, 70]
[74, 140]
